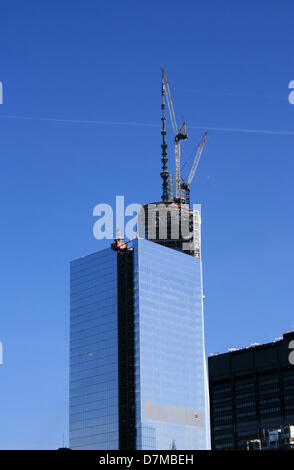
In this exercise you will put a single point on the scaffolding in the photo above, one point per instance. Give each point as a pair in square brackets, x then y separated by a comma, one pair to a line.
[172, 224]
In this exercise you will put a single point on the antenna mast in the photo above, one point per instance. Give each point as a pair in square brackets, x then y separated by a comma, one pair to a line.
[164, 173]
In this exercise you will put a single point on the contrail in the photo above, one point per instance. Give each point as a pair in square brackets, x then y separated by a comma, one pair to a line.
[241, 95]
[144, 124]
[78, 121]
[250, 131]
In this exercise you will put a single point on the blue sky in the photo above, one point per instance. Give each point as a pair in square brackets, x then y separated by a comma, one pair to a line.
[71, 72]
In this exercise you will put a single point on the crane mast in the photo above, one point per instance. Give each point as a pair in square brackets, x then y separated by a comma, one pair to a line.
[179, 135]
[182, 187]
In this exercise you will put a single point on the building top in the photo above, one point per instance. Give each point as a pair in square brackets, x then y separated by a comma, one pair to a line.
[255, 357]
[232, 350]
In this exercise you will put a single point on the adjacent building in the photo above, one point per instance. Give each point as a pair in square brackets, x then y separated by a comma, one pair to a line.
[252, 395]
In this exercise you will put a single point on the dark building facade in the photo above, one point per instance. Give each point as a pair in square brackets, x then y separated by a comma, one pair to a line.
[251, 392]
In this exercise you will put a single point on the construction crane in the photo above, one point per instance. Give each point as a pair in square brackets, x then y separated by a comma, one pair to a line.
[179, 134]
[185, 187]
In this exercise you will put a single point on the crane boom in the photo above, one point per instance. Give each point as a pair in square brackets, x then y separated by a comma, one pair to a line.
[169, 102]
[185, 187]
[197, 158]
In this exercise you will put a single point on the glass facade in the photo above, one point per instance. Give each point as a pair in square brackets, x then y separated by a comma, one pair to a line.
[171, 388]
[94, 420]
[137, 358]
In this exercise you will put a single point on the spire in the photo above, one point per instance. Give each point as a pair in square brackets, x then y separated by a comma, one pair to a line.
[164, 173]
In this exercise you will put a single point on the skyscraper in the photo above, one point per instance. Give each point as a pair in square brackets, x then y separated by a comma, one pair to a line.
[138, 375]
[137, 369]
